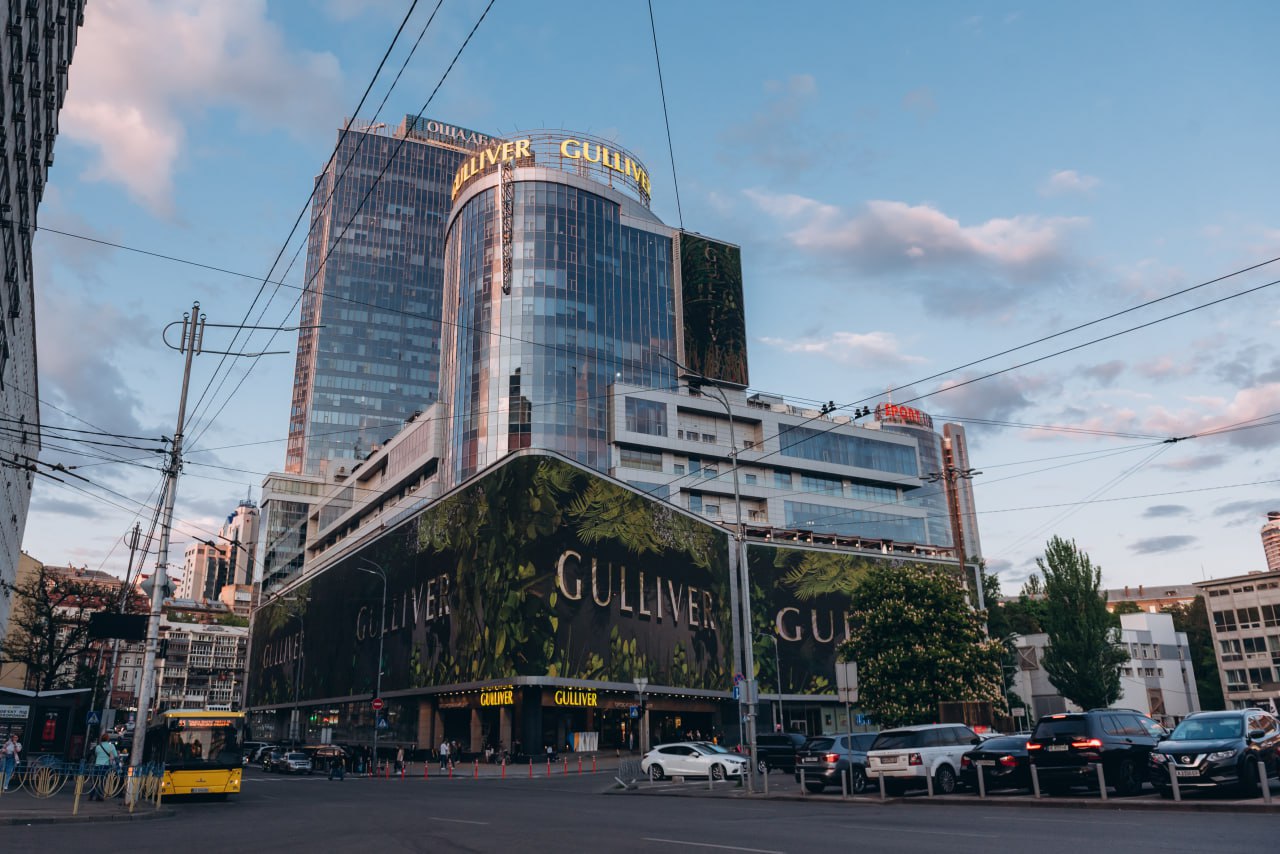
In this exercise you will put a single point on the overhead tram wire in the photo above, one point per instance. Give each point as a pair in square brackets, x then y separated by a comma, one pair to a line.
[301, 213]
[333, 185]
[364, 199]
[1005, 370]
[666, 117]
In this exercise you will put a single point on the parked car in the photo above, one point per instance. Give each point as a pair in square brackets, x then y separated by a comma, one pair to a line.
[778, 750]
[1066, 748]
[824, 759]
[908, 756]
[294, 762]
[261, 753]
[1219, 749]
[1002, 761]
[249, 749]
[692, 759]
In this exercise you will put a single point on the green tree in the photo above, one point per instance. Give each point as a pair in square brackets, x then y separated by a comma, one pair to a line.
[1193, 618]
[49, 628]
[917, 642]
[1083, 659]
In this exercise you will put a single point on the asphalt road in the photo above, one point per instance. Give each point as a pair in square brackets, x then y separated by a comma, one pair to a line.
[572, 813]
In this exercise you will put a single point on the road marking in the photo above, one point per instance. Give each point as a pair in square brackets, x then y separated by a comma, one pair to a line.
[917, 830]
[456, 820]
[710, 845]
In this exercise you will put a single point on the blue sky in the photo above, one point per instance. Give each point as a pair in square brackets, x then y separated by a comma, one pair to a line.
[915, 187]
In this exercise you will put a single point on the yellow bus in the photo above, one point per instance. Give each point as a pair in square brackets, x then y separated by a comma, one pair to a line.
[201, 752]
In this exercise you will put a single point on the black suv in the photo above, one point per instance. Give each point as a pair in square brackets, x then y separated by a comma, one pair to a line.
[1066, 748]
[1212, 749]
[777, 750]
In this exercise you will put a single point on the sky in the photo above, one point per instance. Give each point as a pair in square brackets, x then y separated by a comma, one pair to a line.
[917, 188]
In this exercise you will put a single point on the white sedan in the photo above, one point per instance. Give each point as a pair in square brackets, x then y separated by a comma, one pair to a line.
[692, 759]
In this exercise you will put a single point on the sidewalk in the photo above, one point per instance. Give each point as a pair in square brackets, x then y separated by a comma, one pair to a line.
[21, 808]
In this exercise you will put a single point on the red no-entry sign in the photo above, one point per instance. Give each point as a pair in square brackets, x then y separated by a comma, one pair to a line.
[378, 704]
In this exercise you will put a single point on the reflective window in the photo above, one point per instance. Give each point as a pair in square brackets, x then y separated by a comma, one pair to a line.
[861, 451]
[646, 416]
[854, 523]
[633, 458]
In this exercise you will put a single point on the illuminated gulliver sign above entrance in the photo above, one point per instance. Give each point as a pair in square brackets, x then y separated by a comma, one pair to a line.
[598, 159]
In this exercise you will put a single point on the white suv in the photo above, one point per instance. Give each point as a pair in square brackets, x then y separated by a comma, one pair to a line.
[908, 756]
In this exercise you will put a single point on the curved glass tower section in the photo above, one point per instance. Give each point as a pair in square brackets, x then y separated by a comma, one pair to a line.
[592, 300]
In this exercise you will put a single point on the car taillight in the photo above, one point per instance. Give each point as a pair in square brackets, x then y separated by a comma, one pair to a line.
[914, 759]
[965, 762]
[1008, 761]
[833, 758]
[1087, 743]
[1031, 746]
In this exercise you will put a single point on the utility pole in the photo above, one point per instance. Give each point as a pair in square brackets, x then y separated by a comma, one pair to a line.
[192, 338]
[134, 536]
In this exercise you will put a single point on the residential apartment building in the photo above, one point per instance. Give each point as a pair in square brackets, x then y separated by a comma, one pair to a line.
[1158, 679]
[203, 665]
[1245, 615]
[35, 61]
[1152, 598]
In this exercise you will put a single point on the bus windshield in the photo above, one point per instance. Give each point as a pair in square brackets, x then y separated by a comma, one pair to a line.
[203, 743]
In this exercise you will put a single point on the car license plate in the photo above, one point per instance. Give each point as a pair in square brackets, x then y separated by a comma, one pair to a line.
[1056, 747]
[984, 763]
[810, 759]
[200, 791]
[888, 760]
[1191, 773]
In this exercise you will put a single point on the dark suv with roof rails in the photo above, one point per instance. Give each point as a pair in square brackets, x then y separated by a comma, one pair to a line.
[1065, 749]
[777, 750]
[1218, 749]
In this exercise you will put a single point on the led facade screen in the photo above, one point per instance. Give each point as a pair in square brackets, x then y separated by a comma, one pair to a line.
[715, 322]
[537, 568]
[802, 596]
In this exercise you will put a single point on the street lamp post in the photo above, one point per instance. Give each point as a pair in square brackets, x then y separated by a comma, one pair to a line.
[382, 633]
[642, 682]
[949, 476]
[740, 583]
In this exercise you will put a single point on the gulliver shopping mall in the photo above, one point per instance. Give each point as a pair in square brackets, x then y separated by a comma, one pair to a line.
[559, 524]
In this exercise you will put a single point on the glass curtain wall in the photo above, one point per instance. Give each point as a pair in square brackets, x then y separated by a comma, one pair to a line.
[592, 301]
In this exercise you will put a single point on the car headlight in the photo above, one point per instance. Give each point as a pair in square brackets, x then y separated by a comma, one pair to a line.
[1223, 754]
[1159, 758]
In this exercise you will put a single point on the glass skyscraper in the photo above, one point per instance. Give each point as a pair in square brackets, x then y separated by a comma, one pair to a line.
[561, 283]
[372, 355]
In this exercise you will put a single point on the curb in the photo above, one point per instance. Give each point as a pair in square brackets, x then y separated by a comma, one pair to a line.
[1113, 804]
[44, 818]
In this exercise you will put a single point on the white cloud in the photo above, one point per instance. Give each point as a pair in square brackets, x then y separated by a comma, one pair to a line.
[1068, 181]
[1165, 367]
[895, 235]
[143, 68]
[879, 349]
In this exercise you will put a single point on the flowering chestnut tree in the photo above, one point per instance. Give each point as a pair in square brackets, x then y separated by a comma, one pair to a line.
[917, 642]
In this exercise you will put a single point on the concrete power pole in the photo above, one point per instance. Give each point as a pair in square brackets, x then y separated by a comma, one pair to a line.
[192, 338]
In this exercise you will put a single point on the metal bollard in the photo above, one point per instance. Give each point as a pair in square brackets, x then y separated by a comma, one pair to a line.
[880, 777]
[1102, 781]
[766, 779]
[1173, 781]
[548, 766]
[844, 785]
[982, 783]
[928, 783]
[450, 769]
[425, 766]
[593, 763]
[804, 790]
[475, 764]
[1035, 780]
[579, 764]
[504, 767]
[566, 766]
[1266, 784]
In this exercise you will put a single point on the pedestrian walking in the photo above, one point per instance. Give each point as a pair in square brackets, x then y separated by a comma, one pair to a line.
[399, 759]
[12, 756]
[104, 754]
[444, 756]
[338, 768]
